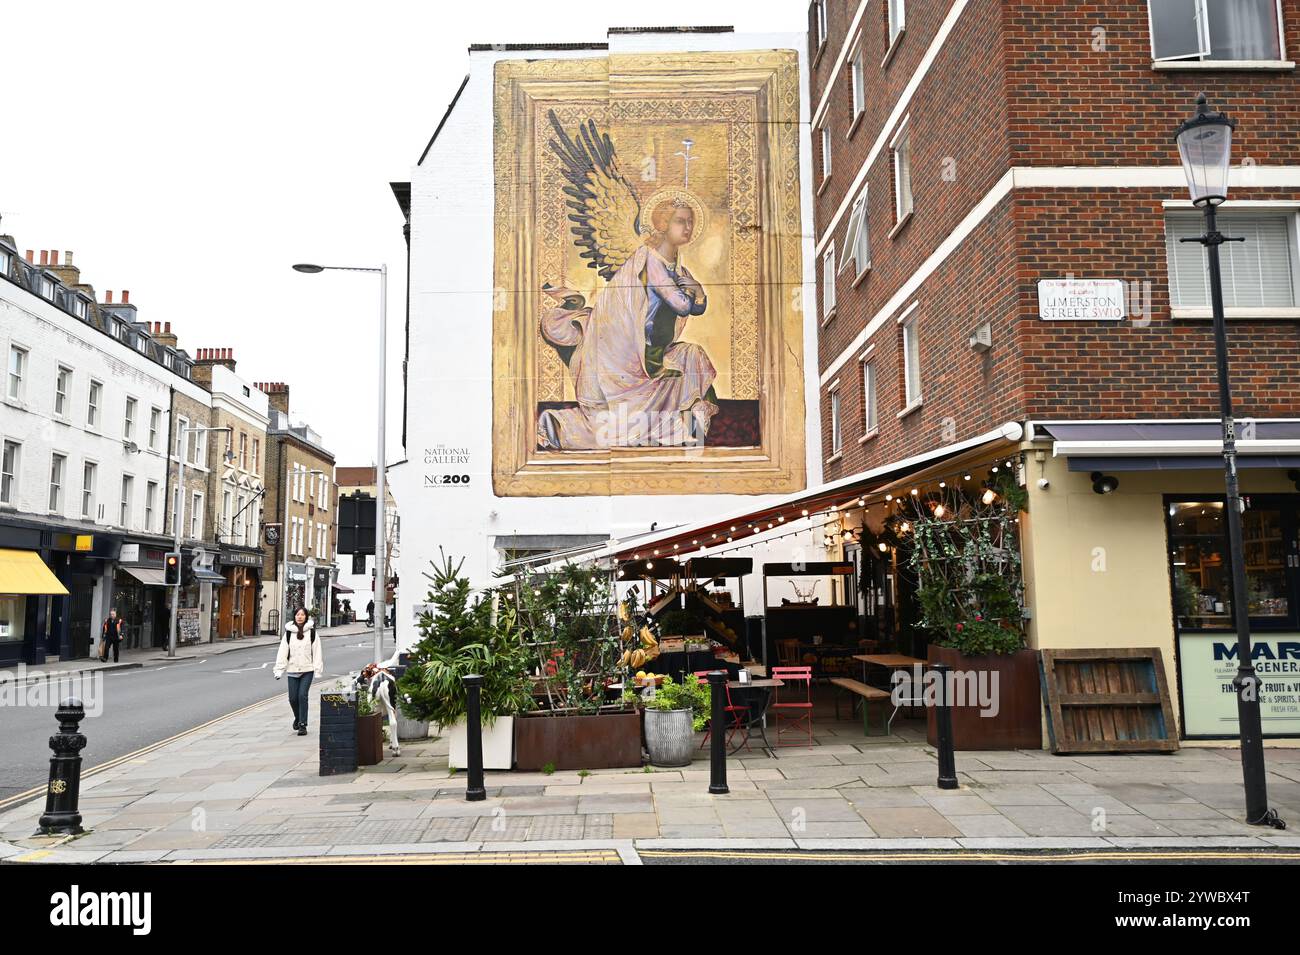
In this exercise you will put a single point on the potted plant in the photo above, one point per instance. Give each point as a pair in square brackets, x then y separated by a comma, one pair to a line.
[964, 550]
[674, 713]
[370, 731]
[581, 641]
[462, 634]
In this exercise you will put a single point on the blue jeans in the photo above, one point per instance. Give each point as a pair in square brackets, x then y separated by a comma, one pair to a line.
[299, 694]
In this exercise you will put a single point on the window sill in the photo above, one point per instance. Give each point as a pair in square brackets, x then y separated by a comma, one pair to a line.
[1268, 314]
[893, 47]
[860, 276]
[826, 181]
[868, 436]
[1253, 65]
[901, 224]
[829, 318]
[17, 403]
[838, 455]
[857, 121]
[910, 408]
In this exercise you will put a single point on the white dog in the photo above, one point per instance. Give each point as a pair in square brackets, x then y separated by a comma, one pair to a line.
[379, 682]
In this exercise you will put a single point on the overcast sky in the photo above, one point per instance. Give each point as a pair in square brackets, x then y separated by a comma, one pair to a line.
[191, 153]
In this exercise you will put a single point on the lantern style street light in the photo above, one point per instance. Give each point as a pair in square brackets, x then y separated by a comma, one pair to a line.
[1205, 145]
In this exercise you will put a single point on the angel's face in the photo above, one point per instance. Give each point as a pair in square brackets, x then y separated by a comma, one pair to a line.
[681, 227]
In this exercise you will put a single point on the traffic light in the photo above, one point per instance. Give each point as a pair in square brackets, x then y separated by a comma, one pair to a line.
[172, 569]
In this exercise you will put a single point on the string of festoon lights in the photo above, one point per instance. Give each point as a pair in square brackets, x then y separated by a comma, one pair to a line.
[742, 536]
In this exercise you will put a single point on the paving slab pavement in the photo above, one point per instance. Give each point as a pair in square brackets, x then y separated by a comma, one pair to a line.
[246, 788]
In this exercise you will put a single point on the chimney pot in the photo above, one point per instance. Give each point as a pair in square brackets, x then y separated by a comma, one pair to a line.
[108, 297]
[126, 296]
[31, 256]
[45, 257]
[167, 327]
[67, 258]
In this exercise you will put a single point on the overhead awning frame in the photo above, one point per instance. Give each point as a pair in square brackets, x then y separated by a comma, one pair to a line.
[24, 574]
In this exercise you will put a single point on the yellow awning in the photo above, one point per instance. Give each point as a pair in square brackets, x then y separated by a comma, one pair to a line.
[23, 572]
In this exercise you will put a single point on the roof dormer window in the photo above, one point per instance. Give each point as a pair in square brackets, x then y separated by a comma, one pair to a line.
[80, 307]
[47, 288]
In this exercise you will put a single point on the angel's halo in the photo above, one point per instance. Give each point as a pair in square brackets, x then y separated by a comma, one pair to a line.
[676, 194]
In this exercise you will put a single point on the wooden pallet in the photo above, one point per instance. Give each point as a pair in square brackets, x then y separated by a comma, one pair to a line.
[1108, 701]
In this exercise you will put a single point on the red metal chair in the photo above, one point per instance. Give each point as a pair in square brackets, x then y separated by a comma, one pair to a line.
[797, 712]
[735, 714]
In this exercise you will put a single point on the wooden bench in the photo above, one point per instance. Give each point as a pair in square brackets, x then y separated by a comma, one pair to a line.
[869, 694]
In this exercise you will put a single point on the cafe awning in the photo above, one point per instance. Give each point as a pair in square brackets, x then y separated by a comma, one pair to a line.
[1169, 445]
[22, 572]
[770, 513]
[203, 573]
[150, 576]
[342, 588]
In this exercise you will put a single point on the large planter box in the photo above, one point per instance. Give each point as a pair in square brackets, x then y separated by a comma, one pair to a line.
[370, 739]
[603, 741]
[1018, 723]
[498, 744]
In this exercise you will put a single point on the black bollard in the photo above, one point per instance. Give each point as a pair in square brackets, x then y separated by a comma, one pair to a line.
[61, 815]
[943, 727]
[718, 733]
[475, 791]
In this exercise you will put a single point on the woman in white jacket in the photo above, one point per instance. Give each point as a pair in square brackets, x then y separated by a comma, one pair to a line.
[300, 656]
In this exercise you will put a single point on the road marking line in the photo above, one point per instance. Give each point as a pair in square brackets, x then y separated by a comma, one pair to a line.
[486, 857]
[953, 855]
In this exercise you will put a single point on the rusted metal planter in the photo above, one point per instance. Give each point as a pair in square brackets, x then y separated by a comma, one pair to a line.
[600, 741]
[1018, 723]
[370, 739]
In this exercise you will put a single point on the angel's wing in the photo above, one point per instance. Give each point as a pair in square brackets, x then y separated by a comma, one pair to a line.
[603, 206]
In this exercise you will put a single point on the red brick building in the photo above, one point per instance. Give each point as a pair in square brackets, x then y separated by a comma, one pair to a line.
[963, 152]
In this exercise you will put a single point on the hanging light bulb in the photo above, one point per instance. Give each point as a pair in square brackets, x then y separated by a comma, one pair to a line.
[889, 497]
[781, 519]
[943, 483]
[989, 496]
[965, 477]
[883, 547]
[848, 537]
[649, 565]
[939, 510]
[904, 527]
[915, 492]
[656, 553]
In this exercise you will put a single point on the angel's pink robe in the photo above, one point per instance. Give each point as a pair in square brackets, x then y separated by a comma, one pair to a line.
[620, 404]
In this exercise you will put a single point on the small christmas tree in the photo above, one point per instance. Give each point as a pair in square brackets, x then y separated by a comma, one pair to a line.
[465, 633]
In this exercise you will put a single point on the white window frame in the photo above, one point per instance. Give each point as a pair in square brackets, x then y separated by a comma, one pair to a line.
[837, 421]
[858, 231]
[178, 447]
[225, 514]
[1289, 208]
[912, 393]
[858, 87]
[200, 449]
[820, 20]
[128, 419]
[829, 300]
[16, 373]
[827, 164]
[59, 464]
[870, 399]
[901, 142]
[1201, 58]
[896, 13]
[94, 397]
[62, 391]
[89, 488]
[150, 501]
[48, 288]
[9, 478]
[155, 427]
[124, 510]
[80, 307]
[196, 515]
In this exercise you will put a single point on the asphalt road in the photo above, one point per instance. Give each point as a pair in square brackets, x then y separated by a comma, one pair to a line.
[152, 703]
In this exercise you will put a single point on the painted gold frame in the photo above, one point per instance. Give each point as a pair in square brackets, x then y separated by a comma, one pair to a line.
[759, 87]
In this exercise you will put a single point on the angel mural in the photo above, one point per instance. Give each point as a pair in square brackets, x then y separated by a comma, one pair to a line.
[637, 383]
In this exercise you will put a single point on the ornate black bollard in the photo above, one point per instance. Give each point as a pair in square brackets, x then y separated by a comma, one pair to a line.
[61, 815]
[474, 791]
[943, 728]
[718, 733]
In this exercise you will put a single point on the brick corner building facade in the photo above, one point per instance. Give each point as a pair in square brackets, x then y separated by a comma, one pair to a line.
[998, 205]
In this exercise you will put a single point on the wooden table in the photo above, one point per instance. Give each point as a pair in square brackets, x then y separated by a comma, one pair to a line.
[893, 661]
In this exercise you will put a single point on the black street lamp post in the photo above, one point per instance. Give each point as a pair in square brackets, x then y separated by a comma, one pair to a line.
[1205, 145]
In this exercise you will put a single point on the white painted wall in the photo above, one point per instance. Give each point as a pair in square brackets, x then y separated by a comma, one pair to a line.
[449, 384]
[53, 338]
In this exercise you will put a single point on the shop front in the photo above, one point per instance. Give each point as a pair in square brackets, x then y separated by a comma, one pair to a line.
[237, 596]
[140, 595]
[1127, 546]
[29, 592]
[298, 582]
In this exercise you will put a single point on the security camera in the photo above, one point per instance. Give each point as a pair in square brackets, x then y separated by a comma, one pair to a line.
[1044, 484]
